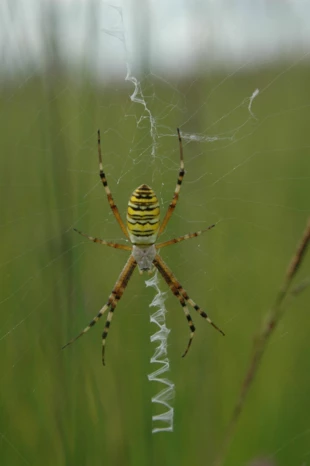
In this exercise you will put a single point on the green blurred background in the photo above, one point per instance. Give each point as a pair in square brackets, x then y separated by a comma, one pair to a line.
[62, 407]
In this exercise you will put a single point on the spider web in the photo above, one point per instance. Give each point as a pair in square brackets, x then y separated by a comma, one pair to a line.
[246, 150]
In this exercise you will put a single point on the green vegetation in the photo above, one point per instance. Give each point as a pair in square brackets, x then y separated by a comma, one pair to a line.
[62, 407]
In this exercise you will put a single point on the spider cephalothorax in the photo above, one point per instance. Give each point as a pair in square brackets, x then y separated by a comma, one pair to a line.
[143, 229]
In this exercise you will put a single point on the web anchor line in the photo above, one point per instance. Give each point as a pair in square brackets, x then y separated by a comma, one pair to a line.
[160, 357]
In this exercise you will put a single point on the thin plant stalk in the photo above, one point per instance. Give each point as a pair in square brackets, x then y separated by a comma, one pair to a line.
[270, 323]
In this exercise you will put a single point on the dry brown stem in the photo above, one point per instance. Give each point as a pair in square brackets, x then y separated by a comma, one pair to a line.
[260, 344]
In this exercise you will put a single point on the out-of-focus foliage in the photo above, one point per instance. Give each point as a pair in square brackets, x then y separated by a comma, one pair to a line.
[64, 408]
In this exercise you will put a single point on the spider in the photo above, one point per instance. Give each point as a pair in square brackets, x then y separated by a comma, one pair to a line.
[143, 229]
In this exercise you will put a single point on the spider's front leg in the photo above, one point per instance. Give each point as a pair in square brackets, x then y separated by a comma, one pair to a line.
[182, 296]
[111, 304]
[188, 317]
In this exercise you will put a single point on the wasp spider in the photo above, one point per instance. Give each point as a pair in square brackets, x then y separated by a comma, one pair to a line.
[143, 228]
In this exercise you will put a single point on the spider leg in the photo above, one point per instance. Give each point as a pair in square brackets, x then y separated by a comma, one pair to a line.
[182, 238]
[180, 293]
[113, 206]
[107, 327]
[188, 317]
[177, 294]
[111, 304]
[175, 198]
[199, 310]
[102, 241]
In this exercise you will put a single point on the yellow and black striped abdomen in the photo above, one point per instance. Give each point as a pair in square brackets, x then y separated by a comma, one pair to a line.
[143, 216]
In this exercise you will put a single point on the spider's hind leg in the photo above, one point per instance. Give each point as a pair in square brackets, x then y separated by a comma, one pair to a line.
[102, 241]
[104, 181]
[177, 189]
